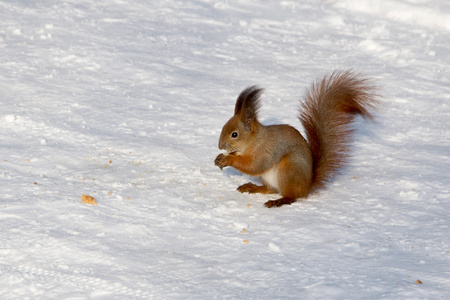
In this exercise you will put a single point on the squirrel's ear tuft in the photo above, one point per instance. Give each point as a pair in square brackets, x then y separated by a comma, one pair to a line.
[249, 100]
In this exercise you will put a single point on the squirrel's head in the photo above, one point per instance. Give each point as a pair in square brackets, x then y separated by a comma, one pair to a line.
[238, 132]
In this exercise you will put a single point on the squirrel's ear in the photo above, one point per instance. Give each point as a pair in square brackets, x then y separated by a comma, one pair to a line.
[238, 106]
[249, 119]
[249, 98]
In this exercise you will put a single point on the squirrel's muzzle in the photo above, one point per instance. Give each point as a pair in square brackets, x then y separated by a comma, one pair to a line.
[223, 145]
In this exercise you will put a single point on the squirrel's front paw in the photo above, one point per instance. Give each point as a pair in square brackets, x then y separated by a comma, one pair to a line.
[221, 161]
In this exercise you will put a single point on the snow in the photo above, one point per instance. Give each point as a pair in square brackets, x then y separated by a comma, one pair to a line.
[125, 100]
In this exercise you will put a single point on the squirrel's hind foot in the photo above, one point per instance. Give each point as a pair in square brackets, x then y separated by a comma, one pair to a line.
[253, 188]
[279, 202]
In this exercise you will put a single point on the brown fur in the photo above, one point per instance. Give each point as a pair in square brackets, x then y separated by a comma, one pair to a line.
[279, 155]
[329, 108]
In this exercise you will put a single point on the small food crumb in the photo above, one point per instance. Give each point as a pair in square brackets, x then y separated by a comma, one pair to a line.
[418, 281]
[88, 200]
[244, 230]
[246, 241]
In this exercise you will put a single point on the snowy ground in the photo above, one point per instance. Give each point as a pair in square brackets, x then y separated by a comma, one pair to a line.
[124, 101]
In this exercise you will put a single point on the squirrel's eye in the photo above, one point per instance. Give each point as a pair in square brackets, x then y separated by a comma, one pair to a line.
[234, 134]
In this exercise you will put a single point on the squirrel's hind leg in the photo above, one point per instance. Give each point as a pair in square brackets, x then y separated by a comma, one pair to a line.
[253, 188]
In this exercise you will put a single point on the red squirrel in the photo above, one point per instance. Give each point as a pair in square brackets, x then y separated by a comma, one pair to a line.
[279, 155]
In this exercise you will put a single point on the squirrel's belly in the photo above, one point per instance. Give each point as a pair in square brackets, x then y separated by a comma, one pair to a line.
[271, 177]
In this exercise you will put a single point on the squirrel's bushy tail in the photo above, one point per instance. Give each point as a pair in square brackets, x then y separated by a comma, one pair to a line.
[327, 113]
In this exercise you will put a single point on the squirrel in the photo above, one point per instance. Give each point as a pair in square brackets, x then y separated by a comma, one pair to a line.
[279, 155]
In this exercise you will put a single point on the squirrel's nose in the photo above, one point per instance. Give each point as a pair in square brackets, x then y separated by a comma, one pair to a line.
[223, 145]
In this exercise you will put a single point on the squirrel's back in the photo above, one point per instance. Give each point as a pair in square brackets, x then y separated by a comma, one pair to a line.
[327, 113]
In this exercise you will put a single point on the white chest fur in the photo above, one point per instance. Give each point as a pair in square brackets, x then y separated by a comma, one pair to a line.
[271, 177]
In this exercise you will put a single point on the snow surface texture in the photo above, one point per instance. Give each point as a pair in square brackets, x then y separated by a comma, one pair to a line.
[125, 100]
